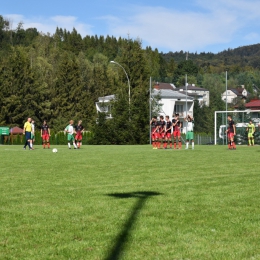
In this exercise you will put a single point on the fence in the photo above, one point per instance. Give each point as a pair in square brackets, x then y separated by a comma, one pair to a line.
[201, 139]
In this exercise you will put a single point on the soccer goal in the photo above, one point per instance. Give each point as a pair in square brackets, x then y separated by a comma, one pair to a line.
[241, 119]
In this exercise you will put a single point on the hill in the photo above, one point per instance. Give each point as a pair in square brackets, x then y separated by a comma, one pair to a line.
[242, 57]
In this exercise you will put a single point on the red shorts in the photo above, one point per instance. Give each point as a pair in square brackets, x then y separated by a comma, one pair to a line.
[230, 135]
[157, 135]
[168, 135]
[163, 135]
[153, 136]
[45, 137]
[177, 133]
[78, 137]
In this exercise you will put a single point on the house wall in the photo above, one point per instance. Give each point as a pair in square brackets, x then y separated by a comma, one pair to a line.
[205, 97]
[104, 107]
[230, 96]
[169, 108]
[203, 93]
[244, 92]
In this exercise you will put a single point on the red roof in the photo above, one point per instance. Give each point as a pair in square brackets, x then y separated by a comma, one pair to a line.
[160, 85]
[16, 130]
[255, 104]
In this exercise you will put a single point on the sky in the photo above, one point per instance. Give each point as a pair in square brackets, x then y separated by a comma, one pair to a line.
[168, 25]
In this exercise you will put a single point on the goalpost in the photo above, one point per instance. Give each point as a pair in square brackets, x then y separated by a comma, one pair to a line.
[241, 119]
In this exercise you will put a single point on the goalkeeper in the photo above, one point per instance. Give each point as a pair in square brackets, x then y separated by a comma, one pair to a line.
[250, 133]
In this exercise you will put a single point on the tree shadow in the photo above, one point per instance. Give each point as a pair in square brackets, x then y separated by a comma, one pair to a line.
[122, 237]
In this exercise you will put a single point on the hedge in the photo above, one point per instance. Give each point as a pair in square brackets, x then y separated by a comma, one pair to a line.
[55, 139]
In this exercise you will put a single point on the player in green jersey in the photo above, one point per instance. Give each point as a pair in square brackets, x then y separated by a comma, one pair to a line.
[71, 131]
[250, 133]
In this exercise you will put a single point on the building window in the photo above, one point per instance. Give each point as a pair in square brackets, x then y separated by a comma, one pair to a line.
[178, 108]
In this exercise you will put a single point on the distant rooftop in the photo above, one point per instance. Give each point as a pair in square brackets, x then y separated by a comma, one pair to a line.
[159, 85]
[167, 93]
[237, 91]
[106, 98]
[254, 104]
[191, 87]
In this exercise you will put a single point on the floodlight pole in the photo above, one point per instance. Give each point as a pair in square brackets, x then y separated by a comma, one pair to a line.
[226, 105]
[150, 109]
[186, 101]
[129, 91]
[187, 53]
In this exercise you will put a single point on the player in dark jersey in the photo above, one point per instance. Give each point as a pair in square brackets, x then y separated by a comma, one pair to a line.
[161, 128]
[45, 134]
[231, 132]
[176, 124]
[157, 134]
[168, 132]
[153, 124]
[79, 128]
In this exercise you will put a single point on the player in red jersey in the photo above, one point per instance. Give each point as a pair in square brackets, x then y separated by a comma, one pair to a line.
[45, 134]
[153, 124]
[161, 130]
[157, 134]
[231, 132]
[168, 130]
[79, 130]
[176, 124]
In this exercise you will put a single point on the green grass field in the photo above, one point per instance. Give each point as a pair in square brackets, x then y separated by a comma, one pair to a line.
[129, 202]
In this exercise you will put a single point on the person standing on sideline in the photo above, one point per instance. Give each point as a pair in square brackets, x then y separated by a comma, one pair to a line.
[176, 130]
[250, 133]
[45, 134]
[231, 131]
[168, 132]
[70, 130]
[189, 132]
[33, 132]
[27, 131]
[79, 130]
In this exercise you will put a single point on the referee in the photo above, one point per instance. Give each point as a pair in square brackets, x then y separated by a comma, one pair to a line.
[27, 131]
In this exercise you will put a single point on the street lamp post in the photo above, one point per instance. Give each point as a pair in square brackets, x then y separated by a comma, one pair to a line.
[129, 91]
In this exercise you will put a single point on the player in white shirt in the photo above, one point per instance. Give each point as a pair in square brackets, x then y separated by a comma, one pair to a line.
[70, 130]
[189, 132]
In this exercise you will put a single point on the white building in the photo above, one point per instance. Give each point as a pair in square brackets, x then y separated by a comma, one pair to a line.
[104, 105]
[200, 94]
[234, 93]
[171, 101]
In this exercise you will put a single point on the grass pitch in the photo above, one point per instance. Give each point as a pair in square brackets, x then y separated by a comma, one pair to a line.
[129, 202]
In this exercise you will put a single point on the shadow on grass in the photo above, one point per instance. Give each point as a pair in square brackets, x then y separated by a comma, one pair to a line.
[122, 237]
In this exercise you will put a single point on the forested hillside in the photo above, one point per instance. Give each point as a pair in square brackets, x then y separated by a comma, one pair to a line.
[60, 77]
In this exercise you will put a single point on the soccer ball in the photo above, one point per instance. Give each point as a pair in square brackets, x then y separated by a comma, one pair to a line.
[54, 150]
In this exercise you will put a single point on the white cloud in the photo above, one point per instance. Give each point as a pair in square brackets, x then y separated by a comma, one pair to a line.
[252, 37]
[49, 24]
[205, 23]
[248, 9]
[213, 23]
[173, 30]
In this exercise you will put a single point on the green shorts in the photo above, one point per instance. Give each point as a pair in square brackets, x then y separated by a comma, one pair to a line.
[250, 135]
[32, 136]
[189, 135]
[71, 137]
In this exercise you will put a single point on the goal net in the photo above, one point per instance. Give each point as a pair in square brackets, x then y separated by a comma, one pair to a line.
[241, 119]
